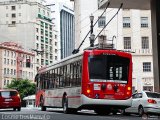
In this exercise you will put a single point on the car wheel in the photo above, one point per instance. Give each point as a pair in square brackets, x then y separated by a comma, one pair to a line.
[123, 112]
[14, 109]
[19, 108]
[140, 111]
[65, 105]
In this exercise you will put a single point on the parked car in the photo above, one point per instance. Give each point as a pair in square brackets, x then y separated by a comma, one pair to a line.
[10, 99]
[144, 102]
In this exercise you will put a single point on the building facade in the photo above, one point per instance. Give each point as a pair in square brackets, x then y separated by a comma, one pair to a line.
[130, 30]
[63, 19]
[66, 31]
[13, 63]
[29, 23]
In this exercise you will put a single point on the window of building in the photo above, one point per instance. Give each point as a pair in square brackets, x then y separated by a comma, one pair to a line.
[46, 46]
[50, 41]
[37, 61]
[43, 12]
[4, 60]
[5, 82]
[8, 53]
[13, 22]
[20, 14]
[5, 52]
[55, 57]
[145, 43]
[13, 15]
[102, 21]
[12, 54]
[13, 7]
[37, 37]
[7, 15]
[56, 50]
[42, 61]
[148, 88]
[127, 42]
[19, 6]
[37, 45]
[55, 43]
[51, 49]
[7, 61]
[11, 71]
[11, 62]
[55, 36]
[144, 22]
[6, 7]
[14, 72]
[126, 22]
[5, 71]
[39, 10]
[146, 66]
[46, 62]
[14, 62]
[37, 30]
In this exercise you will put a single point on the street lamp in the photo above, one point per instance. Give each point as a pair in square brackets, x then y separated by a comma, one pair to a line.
[91, 20]
[92, 36]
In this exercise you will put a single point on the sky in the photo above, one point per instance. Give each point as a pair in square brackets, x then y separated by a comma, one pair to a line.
[64, 1]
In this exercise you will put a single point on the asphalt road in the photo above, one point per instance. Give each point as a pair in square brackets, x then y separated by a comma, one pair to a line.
[57, 114]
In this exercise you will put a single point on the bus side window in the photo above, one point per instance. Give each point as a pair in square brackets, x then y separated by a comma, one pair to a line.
[52, 77]
[71, 74]
[79, 72]
[56, 78]
[65, 76]
[68, 75]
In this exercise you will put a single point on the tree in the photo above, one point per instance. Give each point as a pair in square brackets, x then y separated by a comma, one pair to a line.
[24, 87]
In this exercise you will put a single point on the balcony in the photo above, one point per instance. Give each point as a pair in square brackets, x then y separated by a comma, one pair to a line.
[9, 76]
[44, 17]
[141, 52]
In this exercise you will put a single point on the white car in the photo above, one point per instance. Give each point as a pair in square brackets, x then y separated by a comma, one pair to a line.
[144, 102]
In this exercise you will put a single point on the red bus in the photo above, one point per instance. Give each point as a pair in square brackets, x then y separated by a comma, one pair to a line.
[97, 79]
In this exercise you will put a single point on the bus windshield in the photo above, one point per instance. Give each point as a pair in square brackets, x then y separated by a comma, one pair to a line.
[108, 67]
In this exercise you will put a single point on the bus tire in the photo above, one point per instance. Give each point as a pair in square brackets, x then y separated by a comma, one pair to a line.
[43, 108]
[66, 110]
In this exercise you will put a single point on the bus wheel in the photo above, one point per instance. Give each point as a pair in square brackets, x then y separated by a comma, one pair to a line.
[65, 105]
[43, 108]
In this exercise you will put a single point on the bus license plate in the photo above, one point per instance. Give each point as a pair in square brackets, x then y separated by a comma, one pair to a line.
[108, 96]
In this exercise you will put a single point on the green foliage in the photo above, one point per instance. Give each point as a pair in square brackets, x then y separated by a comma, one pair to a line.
[24, 87]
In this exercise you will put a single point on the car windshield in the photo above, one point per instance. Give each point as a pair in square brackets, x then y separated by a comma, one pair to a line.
[7, 94]
[108, 67]
[153, 95]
